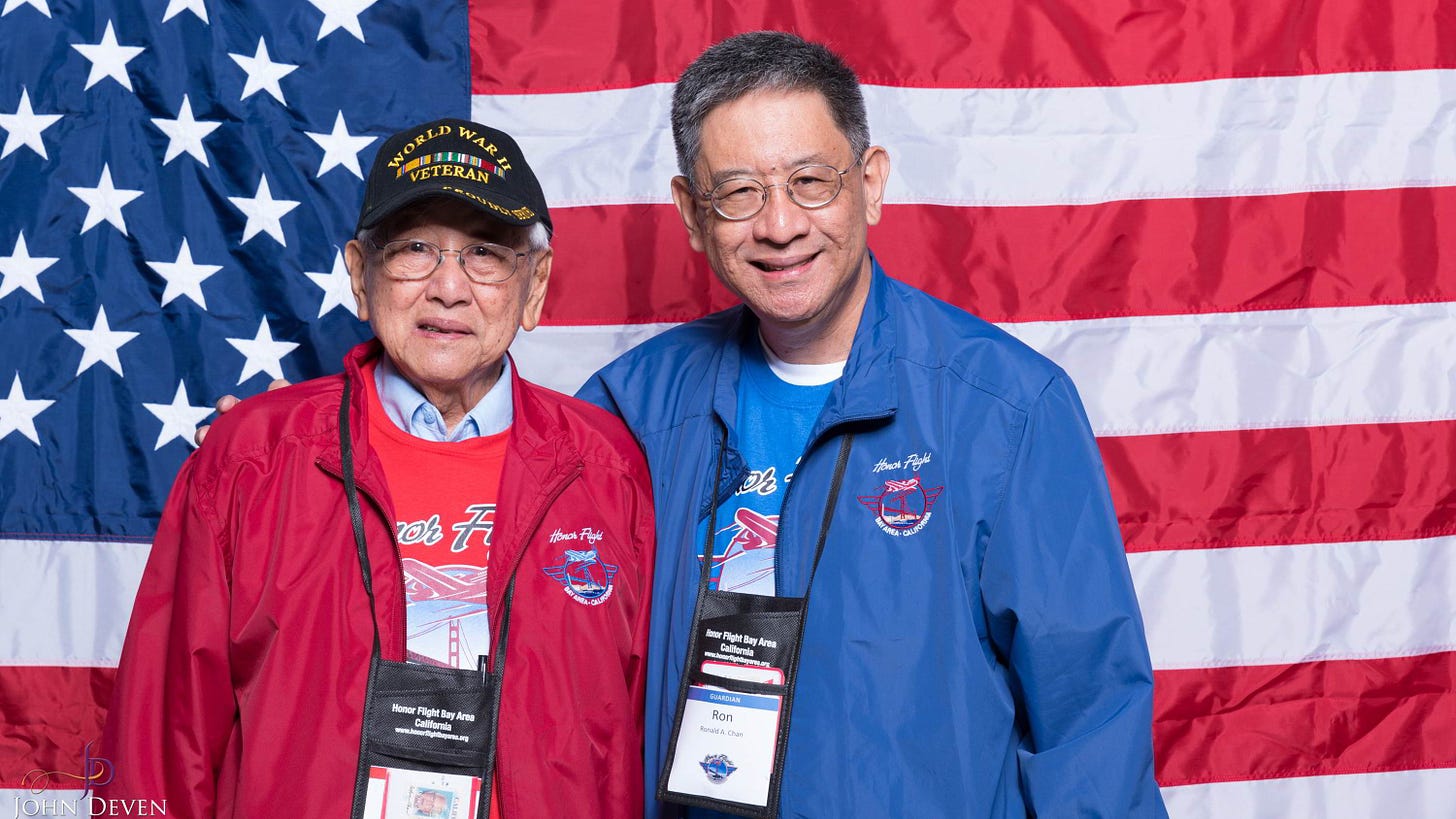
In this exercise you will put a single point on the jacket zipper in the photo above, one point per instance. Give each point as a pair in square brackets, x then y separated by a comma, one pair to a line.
[399, 564]
[393, 541]
[784, 508]
[498, 787]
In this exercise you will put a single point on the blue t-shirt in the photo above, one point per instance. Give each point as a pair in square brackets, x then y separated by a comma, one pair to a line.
[774, 422]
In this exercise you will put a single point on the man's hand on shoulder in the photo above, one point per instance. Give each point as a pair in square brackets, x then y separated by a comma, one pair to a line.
[226, 403]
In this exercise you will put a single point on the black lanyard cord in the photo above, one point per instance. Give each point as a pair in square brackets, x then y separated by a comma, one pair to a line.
[705, 571]
[834, 486]
[836, 482]
[798, 610]
[356, 518]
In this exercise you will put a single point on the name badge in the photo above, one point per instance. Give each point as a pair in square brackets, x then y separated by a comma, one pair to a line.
[725, 748]
[730, 728]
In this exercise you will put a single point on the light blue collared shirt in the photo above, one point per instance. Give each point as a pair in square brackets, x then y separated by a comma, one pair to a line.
[408, 408]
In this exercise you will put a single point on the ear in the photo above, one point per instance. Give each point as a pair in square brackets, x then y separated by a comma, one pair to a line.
[536, 298]
[354, 261]
[690, 211]
[876, 175]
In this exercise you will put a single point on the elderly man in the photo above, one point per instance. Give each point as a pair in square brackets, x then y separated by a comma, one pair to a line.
[889, 578]
[327, 609]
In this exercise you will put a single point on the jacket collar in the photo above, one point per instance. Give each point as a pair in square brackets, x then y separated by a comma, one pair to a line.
[538, 435]
[867, 390]
[541, 460]
[365, 465]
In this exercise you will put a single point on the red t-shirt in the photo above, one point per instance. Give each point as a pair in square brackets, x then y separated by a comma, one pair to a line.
[444, 504]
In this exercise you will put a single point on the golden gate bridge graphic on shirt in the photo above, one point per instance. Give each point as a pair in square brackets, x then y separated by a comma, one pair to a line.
[446, 613]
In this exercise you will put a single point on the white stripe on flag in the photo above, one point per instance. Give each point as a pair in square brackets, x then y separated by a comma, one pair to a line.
[1350, 796]
[564, 357]
[1247, 370]
[1044, 146]
[1158, 374]
[610, 147]
[73, 596]
[1269, 605]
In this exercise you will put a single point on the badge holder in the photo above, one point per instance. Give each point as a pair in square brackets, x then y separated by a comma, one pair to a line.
[428, 742]
[730, 730]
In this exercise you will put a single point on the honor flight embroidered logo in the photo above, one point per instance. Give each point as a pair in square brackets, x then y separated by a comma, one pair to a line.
[584, 576]
[903, 507]
[718, 767]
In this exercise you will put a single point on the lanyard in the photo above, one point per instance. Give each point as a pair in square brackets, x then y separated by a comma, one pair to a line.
[776, 622]
[835, 483]
[356, 518]
[492, 678]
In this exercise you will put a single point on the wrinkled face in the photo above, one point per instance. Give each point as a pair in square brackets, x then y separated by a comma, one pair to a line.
[796, 268]
[446, 333]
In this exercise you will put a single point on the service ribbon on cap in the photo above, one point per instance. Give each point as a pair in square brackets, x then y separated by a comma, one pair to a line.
[447, 156]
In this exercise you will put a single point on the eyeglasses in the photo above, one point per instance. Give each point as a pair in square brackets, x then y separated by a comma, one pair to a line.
[809, 187]
[410, 260]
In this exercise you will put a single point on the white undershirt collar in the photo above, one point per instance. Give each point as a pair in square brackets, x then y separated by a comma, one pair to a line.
[802, 375]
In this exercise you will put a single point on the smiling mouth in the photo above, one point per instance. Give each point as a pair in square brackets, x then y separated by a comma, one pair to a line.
[436, 329]
[773, 267]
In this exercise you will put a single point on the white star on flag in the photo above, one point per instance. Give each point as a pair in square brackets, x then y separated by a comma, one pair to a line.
[108, 59]
[179, 418]
[100, 344]
[264, 355]
[265, 214]
[185, 133]
[104, 202]
[184, 277]
[176, 7]
[336, 286]
[263, 73]
[24, 127]
[17, 413]
[340, 147]
[12, 5]
[21, 271]
[341, 14]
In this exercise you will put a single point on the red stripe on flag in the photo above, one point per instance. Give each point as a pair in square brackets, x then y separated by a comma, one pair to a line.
[1307, 719]
[578, 45]
[49, 713]
[632, 264]
[628, 264]
[1275, 486]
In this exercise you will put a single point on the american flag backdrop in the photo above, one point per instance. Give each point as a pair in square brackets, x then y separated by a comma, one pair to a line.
[1233, 222]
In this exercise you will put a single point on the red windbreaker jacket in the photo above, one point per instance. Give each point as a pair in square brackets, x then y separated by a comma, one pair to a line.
[242, 681]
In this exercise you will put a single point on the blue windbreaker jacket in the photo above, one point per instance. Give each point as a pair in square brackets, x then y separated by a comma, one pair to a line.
[973, 645]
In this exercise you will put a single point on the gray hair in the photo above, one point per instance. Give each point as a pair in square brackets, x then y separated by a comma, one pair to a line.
[763, 60]
[538, 237]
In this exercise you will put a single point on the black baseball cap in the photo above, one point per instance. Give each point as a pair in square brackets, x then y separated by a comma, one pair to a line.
[473, 163]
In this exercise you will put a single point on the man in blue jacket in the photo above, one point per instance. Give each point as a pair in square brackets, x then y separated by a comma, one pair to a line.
[972, 645]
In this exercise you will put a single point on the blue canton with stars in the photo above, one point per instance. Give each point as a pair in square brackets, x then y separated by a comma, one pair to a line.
[179, 179]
